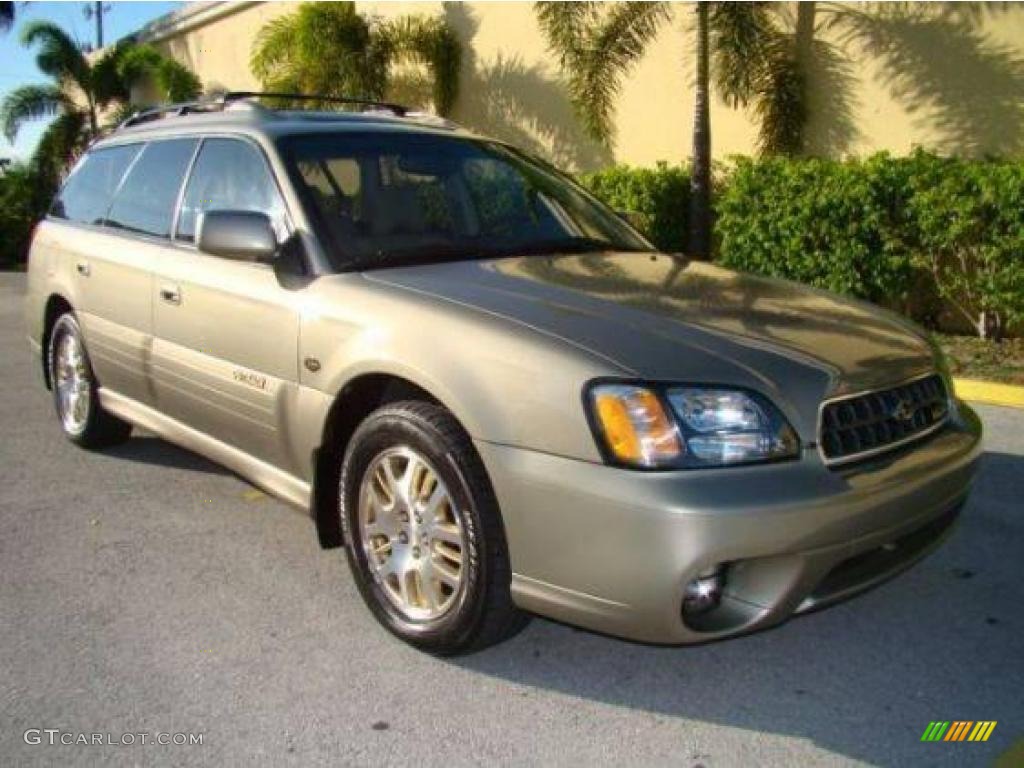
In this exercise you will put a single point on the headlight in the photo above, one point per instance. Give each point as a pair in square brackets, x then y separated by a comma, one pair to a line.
[700, 427]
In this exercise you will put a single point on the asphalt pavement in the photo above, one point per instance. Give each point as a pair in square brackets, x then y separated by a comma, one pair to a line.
[147, 591]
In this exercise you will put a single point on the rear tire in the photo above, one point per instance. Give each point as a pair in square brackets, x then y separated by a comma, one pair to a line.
[75, 391]
[423, 532]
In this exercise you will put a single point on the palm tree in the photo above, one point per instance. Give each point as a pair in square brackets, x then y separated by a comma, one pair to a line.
[331, 49]
[700, 172]
[81, 90]
[59, 57]
[598, 43]
[158, 75]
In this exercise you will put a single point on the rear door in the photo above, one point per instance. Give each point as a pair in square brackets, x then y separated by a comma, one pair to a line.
[111, 251]
[226, 332]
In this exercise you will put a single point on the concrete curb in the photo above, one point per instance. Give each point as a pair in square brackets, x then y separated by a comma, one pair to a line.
[990, 393]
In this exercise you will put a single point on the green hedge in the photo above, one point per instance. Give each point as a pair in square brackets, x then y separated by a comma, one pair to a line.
[916, 233]
[833, 225]
[657, 199]
[24, 197]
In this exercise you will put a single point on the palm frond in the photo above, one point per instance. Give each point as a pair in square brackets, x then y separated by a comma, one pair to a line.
[59, 145]
[31, 102]
[177, 81]
[741, 35]
[432, 42]
[596, 45]
[322, 48]
[565, 25]
[59, 56]
[105, 78]
[144, 64]
[780, 102]
[756, 64]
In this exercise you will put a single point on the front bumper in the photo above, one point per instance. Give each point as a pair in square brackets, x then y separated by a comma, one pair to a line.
[612, 549]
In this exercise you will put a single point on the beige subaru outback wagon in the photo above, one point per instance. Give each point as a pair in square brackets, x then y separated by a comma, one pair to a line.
[485, 385]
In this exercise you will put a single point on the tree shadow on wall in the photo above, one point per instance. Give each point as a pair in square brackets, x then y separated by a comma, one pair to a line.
[942, 68]
[832, 104]
[521, 104]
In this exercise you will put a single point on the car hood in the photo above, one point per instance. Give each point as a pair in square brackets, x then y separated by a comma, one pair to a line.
[666, 318]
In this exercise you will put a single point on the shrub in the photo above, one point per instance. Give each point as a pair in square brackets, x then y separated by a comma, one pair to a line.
[968, 231]
[24, 195]
[835, 225]
[913, 233]
[657, 199]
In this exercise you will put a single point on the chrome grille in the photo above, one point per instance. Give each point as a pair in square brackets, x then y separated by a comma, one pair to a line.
[869, 423]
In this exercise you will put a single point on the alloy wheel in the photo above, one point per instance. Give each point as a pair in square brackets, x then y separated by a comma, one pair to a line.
[73, 386]
[411, 534]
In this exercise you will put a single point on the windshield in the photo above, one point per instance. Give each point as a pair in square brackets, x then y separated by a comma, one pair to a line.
[389, 199]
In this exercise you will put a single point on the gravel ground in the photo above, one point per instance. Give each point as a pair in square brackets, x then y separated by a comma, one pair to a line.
[146, 590]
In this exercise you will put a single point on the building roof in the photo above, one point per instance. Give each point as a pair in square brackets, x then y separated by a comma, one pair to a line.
[182, 20]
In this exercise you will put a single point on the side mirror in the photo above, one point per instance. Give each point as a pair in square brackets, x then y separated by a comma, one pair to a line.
[238, 235]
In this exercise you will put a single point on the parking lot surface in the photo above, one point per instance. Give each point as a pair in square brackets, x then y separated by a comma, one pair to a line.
[146, 590]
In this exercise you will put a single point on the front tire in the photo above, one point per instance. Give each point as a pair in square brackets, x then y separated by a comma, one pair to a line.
[423, 531]
[75, 391]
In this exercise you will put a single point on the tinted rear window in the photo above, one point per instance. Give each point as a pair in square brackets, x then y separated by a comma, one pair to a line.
[147, 197]
[87, 194]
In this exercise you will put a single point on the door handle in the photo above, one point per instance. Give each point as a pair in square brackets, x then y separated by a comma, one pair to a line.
[171, 294]
[83, 268]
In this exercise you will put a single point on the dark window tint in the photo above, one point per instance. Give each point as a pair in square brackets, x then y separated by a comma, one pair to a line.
[91, 186]
[145, 202]
[385, 199]
[229, 175]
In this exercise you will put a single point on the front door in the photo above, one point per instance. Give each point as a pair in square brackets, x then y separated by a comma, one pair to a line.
[225, 332]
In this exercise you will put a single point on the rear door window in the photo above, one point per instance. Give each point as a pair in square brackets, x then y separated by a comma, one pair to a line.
[229, 175]
[89, 190]
[146, 200]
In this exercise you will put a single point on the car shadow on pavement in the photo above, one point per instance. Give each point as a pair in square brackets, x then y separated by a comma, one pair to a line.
[147, 449]
[943, 641]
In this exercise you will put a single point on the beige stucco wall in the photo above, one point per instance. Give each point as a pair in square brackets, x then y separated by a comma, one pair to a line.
[944, 77]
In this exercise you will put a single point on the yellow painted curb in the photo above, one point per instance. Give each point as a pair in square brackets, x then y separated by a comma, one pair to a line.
[990, 392]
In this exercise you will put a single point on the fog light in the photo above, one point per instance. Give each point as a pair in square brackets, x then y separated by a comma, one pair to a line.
[705, 592]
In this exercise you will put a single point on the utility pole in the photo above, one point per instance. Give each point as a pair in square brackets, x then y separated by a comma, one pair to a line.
[96, 10]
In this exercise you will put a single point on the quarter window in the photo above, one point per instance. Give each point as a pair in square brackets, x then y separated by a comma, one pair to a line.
[146, 200]
[229, 175]
[90, 188]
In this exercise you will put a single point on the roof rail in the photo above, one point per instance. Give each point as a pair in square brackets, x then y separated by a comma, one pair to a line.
[172, 110]
[221, 102]
[397, 110]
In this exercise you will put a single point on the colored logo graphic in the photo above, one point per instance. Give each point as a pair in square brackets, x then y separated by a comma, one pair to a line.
[958, 730]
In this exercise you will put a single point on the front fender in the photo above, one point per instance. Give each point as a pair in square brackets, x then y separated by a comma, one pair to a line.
[505, 382]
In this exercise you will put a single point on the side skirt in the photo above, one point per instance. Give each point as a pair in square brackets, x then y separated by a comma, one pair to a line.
[271, 479]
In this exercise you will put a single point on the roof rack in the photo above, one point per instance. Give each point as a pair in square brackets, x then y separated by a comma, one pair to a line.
[221, 102]
[398, 110]
[171, 110]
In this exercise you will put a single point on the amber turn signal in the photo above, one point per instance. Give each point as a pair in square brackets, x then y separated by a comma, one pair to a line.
[634, 425]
